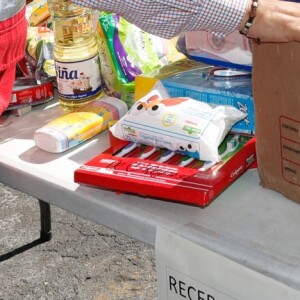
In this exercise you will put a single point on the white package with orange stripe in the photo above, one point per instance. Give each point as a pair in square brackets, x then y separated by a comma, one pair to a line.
[182, 125]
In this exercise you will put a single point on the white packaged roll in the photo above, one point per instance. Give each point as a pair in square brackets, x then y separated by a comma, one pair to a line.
[76, 127]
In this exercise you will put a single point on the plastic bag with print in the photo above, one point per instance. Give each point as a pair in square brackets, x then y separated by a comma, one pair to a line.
[232, 51]
[182, 125]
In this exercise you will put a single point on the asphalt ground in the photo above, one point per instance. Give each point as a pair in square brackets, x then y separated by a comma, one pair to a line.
[83, 260]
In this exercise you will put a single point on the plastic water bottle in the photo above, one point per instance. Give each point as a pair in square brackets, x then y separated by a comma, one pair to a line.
[75, 53]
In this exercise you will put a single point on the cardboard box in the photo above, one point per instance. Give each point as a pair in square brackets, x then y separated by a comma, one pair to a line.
[276, 90]
[196, 182]
[143, 86]
[235, 92]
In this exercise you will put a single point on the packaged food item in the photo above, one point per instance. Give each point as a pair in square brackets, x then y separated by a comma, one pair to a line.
[182, 125]
[28, 91]
[76, 127]
[37, 12]
[127, 51]
[38, 59]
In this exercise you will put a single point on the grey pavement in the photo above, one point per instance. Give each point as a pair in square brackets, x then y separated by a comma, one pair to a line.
[82, 261]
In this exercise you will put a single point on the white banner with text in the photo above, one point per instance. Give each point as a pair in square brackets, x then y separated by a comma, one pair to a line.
[187, 271]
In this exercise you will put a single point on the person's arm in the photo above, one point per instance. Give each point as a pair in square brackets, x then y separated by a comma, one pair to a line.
[168, 18]
[275, 21]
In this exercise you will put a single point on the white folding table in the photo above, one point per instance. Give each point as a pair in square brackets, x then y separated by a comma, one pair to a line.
[247, 223]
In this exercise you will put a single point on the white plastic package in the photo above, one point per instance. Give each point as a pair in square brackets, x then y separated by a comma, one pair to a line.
[232, 51]
[182, 125]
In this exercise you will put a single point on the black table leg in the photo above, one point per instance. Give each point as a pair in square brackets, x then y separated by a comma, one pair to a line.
[45, 234]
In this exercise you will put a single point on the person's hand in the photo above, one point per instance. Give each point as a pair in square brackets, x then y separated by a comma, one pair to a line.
[275, 21]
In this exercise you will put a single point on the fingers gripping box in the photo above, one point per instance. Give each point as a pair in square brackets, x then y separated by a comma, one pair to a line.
[276, 91]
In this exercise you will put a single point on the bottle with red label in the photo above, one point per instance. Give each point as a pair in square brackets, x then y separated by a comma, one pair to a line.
[75, 53]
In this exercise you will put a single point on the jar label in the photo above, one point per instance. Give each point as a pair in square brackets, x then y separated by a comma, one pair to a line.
[78, 80]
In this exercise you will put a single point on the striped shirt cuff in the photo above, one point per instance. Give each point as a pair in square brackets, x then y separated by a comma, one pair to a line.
[219, 17]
